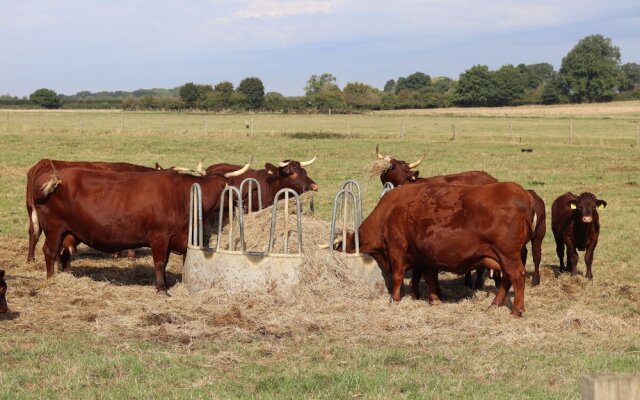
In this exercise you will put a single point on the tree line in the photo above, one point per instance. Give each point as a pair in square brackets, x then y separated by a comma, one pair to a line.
[591, 72]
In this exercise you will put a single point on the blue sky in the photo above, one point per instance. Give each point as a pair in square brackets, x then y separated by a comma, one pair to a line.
[75, 45]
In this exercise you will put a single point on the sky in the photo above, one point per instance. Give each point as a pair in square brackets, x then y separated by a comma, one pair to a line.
[74, 45]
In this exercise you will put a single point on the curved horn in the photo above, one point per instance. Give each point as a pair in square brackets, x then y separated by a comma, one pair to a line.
[183, 170]
[416, 163]
[305, 163]
[283, 164]
[240, 171]
[380, 156]
[199, 168]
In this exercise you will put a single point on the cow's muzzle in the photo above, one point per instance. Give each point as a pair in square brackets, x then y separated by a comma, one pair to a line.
[314, 187]
[587, 220]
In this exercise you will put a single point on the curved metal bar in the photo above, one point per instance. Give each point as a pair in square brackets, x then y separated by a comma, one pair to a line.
[250, 182]
[387, 186]
[231, 190]
[195, 216]
[286, 193]
[350, 184]
[341, 197]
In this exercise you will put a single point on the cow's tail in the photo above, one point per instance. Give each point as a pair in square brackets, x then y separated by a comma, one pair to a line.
[49, 186]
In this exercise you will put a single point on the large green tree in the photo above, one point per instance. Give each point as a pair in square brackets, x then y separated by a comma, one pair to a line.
[591, 70]
[195, 95]
[46, 98]
[510, 86]
[631, 73]
[361, 96]
[476, 87]
[253, 89]
[415, 81]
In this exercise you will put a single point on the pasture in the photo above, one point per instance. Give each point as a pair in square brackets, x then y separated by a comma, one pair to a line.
[102, 332]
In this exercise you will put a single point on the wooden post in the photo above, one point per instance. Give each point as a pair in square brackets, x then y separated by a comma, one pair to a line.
[510, 132]
[402, 130]
[570, 131]
[453, 128]
[611, 387]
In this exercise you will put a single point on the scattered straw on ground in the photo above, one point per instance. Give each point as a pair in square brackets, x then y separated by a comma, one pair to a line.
[117, 298]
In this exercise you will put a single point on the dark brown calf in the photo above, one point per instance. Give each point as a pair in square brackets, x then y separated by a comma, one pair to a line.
[576, 225]
[3, 293]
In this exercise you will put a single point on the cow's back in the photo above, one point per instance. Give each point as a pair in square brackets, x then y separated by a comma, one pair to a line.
[462, 178]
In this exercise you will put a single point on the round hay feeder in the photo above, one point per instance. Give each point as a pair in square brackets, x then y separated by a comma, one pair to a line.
[235, 269]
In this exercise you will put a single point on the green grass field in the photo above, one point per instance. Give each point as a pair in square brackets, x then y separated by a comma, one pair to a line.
[324, 350]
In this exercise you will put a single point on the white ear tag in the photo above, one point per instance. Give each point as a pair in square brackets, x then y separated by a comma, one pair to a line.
[601, 207]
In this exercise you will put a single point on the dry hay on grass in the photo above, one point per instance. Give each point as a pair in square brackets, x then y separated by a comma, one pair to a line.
[117, 298]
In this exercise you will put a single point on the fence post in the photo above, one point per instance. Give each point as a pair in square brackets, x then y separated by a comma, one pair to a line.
[570, 131]
[510, 132]
[453, 128]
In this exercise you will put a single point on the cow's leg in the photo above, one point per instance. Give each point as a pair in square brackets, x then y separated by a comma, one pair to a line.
[34, 236]
[65, 260]
[468, 281]
[416, 277]
[503, 289]
[572, 259]
[515, 273]
[160, 254]
[51, 250]
[588, 260]
[536, 252]
[131, 254]
[431, 277]
[560, 250]
[398, 261]
[479, 278]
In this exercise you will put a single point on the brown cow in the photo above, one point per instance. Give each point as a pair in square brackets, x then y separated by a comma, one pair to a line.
[46, 166]
[288, 174]
[453, 228]
[576, 225]
[3, 292]
[400, 173]
[113, 211]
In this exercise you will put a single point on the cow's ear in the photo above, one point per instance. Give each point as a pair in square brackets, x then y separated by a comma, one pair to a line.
[271, 169]
[601, 204]
[572, 205]
[159, 167]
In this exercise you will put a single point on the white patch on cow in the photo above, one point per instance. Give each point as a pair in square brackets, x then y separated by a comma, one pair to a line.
[34, 221]
[535, 222]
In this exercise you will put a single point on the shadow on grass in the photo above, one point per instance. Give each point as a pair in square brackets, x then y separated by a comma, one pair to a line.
[9, 315]
[126, 276]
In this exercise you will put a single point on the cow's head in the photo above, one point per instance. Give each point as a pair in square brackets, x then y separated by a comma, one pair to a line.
[3, 291]
[291, 174]
[399, 172]
[586, 206]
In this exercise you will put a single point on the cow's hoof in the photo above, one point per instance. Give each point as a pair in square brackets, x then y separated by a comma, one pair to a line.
[163, 292]
[517, 313]
[535, 281]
